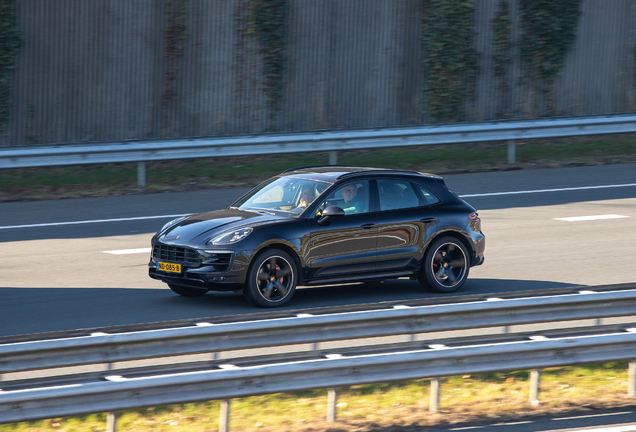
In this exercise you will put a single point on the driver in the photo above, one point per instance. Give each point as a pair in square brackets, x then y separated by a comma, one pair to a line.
[306, 197]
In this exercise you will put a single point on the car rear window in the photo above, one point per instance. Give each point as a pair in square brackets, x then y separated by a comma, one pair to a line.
[427, 194]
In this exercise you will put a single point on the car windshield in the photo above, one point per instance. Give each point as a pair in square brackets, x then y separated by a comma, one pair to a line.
[285, 196]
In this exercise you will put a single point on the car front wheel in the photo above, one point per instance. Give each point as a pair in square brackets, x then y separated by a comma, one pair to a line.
[272, 279]
[445, 267]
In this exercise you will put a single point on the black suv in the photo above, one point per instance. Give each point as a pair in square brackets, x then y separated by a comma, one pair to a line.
[323, 225]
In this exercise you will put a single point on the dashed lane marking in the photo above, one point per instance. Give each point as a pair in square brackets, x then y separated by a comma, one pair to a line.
[589, 218]
[128, 251]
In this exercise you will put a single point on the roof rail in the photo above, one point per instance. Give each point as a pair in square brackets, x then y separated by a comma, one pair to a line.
[313, 166]
[377, 171]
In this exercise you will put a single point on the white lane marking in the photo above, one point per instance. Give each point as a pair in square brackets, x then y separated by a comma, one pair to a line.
[128, 251]
[593, 415]
[628, 428]
[179, 215]
[91, 221]
[547, 190]
[589, 218]
[624, 428]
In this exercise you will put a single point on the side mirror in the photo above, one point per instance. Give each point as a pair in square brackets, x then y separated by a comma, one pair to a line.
[329, 212]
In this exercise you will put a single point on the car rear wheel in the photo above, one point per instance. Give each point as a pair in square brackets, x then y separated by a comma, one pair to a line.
[272, 279]
[445, 267]
[187, 291]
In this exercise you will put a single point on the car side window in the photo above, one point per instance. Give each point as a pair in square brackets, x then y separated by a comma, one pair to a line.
[396, 194]
[352, 197]
[428, 196]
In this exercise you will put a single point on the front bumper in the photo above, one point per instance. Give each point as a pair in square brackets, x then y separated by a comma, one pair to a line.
[213, 269]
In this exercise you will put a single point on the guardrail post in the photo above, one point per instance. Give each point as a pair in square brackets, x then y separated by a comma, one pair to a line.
[141, 174]
[333, 157]
[111, 417]
[332, 400]
[111, 422]
[631, 379]
[434, 406]
[224, 418]
[535, 376]
[512, 152]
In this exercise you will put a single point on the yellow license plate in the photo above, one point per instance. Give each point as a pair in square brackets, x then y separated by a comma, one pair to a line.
[169, 267]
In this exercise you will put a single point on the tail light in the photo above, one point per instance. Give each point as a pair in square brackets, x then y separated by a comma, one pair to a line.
[474, 217]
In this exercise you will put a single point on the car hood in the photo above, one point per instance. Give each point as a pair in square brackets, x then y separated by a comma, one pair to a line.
[198, 228]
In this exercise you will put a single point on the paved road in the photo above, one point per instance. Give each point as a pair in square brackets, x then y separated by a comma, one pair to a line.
[623, 420]
[57, 275]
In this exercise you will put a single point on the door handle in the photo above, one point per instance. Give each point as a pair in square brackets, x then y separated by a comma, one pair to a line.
[367, 225]
[427, 220]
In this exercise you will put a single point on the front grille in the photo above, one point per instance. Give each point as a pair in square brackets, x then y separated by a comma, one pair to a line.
[176, 254]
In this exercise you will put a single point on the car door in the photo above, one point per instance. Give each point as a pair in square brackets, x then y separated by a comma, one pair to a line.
[346, 245]
[405, 220]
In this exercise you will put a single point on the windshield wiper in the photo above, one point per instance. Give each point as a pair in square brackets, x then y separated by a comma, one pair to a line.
[252, 210]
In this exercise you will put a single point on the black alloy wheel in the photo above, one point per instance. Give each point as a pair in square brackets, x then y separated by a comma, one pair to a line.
[187, 291]
[272, 279]
[445, 266]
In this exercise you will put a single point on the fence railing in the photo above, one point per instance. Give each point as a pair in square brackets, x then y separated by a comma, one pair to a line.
[228, 381]
[142, 151]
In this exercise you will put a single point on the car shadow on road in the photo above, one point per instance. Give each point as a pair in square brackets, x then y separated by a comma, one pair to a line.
[404, 289]
[38, 310]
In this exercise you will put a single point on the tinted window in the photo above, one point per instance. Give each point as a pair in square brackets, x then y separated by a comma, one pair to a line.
[353, 198]
[428, 196]
[396, 194]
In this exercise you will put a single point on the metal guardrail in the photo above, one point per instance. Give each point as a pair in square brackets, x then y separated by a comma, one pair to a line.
[275, 373]
[305, 352]
[107, 348]
[120, 393]
[141, 151]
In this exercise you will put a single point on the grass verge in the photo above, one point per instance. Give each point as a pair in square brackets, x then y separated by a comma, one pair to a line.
[193, 174]
[398, 406]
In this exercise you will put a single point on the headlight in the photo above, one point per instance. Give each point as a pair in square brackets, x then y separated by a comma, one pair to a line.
[231, 237]
[172, 222]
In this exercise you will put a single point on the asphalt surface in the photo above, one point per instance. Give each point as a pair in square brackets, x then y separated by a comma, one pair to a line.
[58, 276]
[623, 420]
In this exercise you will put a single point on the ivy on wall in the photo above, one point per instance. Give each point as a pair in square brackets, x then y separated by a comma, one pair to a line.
[450, 57]
[9, 44]
[502, 55]
[548, 34]
[268, 20]
[174, 36]
[502, 26]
